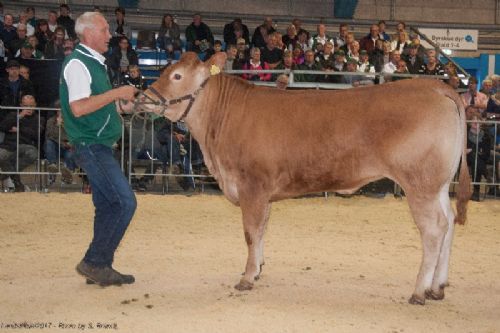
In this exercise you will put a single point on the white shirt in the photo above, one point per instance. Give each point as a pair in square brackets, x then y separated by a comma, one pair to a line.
[389, 68]
[78, 77]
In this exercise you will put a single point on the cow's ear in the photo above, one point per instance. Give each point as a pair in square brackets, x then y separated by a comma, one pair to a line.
[218, 59]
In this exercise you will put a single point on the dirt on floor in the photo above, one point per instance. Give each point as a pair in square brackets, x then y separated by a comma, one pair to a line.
[332, 265]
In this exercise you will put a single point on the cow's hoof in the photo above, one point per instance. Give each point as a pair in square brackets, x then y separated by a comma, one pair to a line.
[244, 285]
[416, 300]
[435, 295]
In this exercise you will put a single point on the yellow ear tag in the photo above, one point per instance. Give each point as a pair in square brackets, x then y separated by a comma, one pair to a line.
[214, 70]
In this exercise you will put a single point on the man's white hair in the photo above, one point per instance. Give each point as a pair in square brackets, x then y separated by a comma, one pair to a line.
[85, 21]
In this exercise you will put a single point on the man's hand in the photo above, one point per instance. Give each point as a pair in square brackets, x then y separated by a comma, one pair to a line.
[126, 92]
[25, 113]
[13, 129]
[179, 137]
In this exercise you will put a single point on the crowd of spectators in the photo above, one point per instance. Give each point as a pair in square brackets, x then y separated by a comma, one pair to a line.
[375, 58]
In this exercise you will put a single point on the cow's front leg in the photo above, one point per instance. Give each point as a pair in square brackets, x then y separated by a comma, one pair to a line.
[255, 214]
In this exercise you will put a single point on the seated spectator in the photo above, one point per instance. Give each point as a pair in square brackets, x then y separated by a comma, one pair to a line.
[380, 55]
[290, 39]
[400, 69]
[242, 54]
[118, 28]
[234, 30]
[353, 51]
[52, 21]
[24, 71]
[433, 67]
[282, 82]
[414, 62]
[364, 65]
[64, 19]
[8, 33]
[26, 51]
[297, 55]
[320, 38]
[121, 57]
[23, 19]
[199, 37]
[286, 63]
[22, 128]
[478, 152]
[169, 37]
[493, 106]
[54, 49]
[341, 39]
[16, 44]
[133, 77]
[260, 34]
[401, 44]
[231, 52]
[31, 17]
[255, 64]
[14, 86]
[213, 50]
[381, 31]
[339, 65]
[474, 101]
[309, 64]
[33, 41]
[271, 54]
[414, 39]
[326, 58]
[302, 41]
[400, 26]
[368, 42]
[354, 80]
[391, 66]
[349, 39]
[43, 34]
[57, 145]
[454, 82]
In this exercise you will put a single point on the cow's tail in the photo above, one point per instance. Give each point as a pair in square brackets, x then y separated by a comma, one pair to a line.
[463, 189]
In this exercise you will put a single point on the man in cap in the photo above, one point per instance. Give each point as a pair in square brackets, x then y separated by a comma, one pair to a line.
[26, 51]
[14, 86]
[414, 61]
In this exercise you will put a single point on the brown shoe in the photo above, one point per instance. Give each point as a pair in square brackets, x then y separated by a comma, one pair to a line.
[125, 278]
[103, 276]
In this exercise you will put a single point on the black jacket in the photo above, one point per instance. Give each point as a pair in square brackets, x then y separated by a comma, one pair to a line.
[8, 97]
[28, 130]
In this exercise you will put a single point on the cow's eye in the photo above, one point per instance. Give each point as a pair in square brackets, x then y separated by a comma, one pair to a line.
[177, 76]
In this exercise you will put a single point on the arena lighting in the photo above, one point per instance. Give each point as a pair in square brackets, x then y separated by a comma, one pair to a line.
[447, 51]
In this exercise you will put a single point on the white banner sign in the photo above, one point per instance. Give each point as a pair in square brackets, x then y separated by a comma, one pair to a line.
[453, 39]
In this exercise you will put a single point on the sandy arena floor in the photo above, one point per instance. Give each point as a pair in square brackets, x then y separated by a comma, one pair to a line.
[335, 265]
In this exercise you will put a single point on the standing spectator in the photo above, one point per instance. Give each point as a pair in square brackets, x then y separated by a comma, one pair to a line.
[27, 133]
[119, 60]
[57, 144]
[474, 101]
[381, 31]
[341, 39]
[8, 32]
[198, 35]
[169, 37]
[234, 30]
[13, 87]
[66, 21]
[433, 67]
[413, 61]
[255, 63]
[55, 47]
[320, 37]
[119, 28]
[260, 34]
[271, 54]
[43, 34]
[368, 42]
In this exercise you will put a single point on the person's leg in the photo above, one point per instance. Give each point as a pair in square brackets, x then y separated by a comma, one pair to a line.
[5, 162]
[51, 151]
[113, 199]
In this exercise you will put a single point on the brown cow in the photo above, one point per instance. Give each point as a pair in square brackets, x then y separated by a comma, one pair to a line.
[263, 144]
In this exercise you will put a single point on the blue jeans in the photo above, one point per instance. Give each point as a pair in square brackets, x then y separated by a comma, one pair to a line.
[52, 150]
[113, 199]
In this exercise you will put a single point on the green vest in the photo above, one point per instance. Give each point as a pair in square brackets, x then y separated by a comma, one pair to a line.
[102, 126]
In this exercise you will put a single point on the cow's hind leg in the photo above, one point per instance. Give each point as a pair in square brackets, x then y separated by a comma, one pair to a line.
[433, 225]
[440, 280]
[255, 214]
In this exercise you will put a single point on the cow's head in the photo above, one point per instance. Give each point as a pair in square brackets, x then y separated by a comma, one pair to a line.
[178, 86]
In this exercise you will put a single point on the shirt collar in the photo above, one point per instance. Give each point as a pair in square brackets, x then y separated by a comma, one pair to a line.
[94, 53]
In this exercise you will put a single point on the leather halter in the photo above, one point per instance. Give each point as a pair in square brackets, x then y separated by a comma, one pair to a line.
[165, 103]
